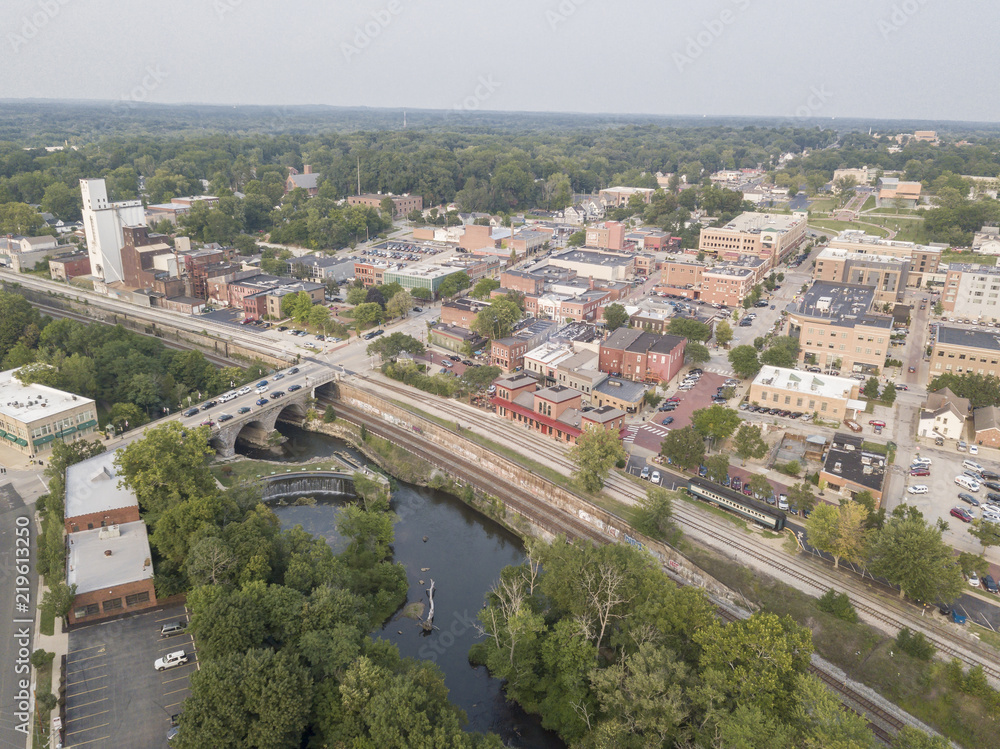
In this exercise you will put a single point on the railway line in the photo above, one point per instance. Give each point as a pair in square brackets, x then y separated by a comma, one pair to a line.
[816, 578]
[221, 361]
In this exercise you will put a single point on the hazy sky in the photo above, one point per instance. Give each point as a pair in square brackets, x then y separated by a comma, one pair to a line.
[850, 58]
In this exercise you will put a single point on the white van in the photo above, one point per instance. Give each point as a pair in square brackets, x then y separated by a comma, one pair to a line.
[967, 482]
[972, 466]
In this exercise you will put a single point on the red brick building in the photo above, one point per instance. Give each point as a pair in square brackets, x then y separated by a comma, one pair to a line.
[69, 266]
[401, 204]
[641, 356]
[517, 280]
[552, 411]
[461, 312]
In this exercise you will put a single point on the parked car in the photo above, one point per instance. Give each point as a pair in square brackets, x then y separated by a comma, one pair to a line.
[919, 472]
[973, 450]
[645, 472]
[171, 660]
[655, 478]
[969, 499]
[921, 462]
[173, 628]
[667, 421]
[962, 514]
[917, 489]
[989, 583]
[974, 580]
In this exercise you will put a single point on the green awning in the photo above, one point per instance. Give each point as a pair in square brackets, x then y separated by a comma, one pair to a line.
[87, 424]
[44, 440]
[67, 430]
[3, 433]
[22, 442]
[11, 437]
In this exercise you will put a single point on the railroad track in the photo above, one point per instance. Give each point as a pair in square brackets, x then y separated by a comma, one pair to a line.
[222, 361]
[554, 521]
[817, 579]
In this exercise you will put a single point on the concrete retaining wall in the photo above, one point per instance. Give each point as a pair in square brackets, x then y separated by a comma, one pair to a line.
[549, 494]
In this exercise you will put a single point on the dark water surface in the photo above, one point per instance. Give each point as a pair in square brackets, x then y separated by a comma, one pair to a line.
[463, 554]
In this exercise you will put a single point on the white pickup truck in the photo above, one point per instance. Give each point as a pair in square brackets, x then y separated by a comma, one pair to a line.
[176, 658]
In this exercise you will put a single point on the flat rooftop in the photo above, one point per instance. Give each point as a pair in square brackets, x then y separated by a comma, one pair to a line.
[847, 459]
[29, 403]
[591, 257]
[754, 223]
[982, 339]
[975, 268]
[92, 486]
[89, 567]
[844, 304]
[626, 390]
[829, 253]
[821, 385]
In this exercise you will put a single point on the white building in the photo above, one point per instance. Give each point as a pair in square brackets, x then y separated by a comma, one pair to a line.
[103, 223]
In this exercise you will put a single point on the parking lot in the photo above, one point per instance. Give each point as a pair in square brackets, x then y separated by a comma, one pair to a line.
[650, 435]
[114, 696]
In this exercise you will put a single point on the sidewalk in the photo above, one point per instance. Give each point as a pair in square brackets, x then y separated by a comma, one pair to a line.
[57, 643]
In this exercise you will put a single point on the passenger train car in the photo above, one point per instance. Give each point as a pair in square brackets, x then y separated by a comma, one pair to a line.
[747, 507]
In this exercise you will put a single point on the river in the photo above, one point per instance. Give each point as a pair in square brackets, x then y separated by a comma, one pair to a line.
[464, 553]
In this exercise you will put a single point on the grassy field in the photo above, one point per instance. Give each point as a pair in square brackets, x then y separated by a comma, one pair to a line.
[869, 203]
[824, 204]
[922, 688]
[968, 257]
[839, 226]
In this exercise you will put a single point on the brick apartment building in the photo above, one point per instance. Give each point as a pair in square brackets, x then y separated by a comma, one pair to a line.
[402, 205]
[771, 237]
[641, 356]
[461, 312]
[609, 235]
[886, 274]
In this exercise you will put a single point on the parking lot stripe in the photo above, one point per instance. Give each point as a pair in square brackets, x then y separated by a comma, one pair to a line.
[93, 702]
[167, 694]
[81, 660]
[91, 741]
[81, 650]
[88, 691]
[103, 725]
[186, 675]
[175, 704]
[84, 717]
[82, 681]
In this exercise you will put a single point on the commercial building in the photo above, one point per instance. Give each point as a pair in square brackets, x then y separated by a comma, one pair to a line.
[895, 194]
[103, 222]
[771, 237]
[729, 284]
[461, 312]
[986, 241]
[94, 497]
[508, 353]
[641, 356]
[455, 338]
[70, 265]
[32, 417]
[543, 361]
[924, 259]
[609, 235]
[850, 469]
[958, 350]
[401, 204]
[557, 412]
[607, 266]
[886, 274]
[623, 395]
[23, 254]
[580, 372]
[944, 415]
[834, 398]
[972, 291]
[177, 207]
[112, 570]
[651, 320]
[321, 269]
[837, 330]
[430, 276]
